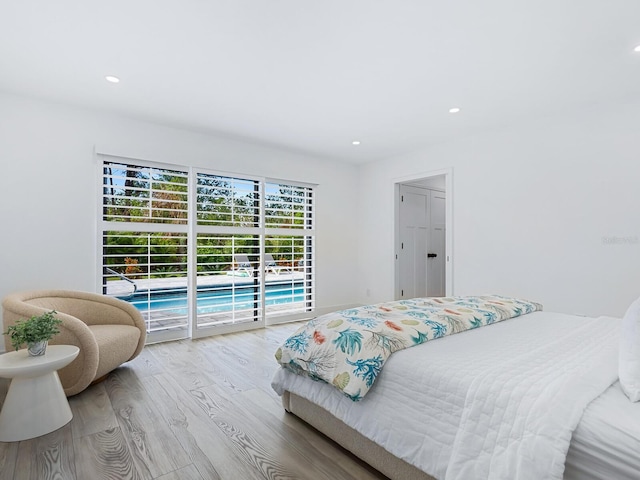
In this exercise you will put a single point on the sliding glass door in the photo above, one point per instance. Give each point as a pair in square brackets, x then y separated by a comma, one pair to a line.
[199, 253]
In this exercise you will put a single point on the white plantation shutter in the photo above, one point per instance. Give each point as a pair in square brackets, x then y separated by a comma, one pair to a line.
[288, 206]
[289, 238]
[290, 278]
[227, 201]
[144, 241]
[134, 193]
[236, 286]
[228, 212]
[246, 245]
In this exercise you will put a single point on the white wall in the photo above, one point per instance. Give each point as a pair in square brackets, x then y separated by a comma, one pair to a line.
[48, 192]
[534, 207]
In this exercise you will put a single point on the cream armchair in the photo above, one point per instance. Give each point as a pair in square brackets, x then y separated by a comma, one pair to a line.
[108, 331]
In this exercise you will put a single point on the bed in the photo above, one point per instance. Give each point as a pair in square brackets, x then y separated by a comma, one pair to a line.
[449, 407]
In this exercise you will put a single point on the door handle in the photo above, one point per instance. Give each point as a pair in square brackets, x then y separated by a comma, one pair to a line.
[432, 255]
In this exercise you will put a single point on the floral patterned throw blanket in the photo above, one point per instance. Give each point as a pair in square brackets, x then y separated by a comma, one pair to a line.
[348, 348]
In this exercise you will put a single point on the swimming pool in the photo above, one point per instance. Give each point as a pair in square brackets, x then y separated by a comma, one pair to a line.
[216, 300]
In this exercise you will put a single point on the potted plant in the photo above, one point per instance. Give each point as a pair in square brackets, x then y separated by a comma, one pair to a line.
[35, 332]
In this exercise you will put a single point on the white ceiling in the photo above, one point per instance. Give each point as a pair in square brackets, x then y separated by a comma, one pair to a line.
[314, 75]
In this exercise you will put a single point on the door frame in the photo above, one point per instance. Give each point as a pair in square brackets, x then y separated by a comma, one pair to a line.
[448, 177]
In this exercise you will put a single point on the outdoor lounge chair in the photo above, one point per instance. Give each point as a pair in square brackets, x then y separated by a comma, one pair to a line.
[242, 263]
[271, 265]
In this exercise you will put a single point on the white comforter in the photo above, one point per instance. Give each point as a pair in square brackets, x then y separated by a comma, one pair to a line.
[496, 402]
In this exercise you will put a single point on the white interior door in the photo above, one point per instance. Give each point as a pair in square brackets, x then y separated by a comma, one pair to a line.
[422, 237]
[436, 245]
[413, 229]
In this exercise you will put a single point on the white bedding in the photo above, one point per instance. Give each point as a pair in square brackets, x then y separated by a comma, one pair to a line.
[606, 443]
[415, 413]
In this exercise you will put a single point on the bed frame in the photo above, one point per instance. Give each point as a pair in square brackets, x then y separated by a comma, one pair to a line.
[347, 437]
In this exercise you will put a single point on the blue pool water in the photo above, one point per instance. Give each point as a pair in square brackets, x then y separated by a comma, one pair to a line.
[213, 301]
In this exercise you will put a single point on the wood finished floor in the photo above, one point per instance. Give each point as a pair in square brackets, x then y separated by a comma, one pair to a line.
[185, 410]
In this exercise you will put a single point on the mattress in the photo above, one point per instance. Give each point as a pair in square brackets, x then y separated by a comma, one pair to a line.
[416, 420]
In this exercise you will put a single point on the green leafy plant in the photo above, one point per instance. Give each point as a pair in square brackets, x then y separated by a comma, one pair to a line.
[38, 328]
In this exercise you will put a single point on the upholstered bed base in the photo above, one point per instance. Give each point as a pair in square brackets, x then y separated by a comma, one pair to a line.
[360, 446]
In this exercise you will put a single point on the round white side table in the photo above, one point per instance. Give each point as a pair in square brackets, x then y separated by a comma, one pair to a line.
[35, 403]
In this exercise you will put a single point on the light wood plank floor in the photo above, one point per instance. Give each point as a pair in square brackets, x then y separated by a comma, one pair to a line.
[185, 410]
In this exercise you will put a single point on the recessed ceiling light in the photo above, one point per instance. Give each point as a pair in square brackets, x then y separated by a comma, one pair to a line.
[355, 142]
[637, 49]
[112, 79]
[454, 110]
